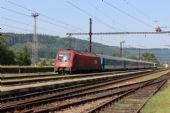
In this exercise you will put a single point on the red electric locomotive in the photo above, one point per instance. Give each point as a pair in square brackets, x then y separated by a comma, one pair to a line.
[68, 61]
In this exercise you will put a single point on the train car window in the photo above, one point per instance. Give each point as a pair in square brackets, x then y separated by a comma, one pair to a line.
[113, 62]
[64, 57]
[102, 60]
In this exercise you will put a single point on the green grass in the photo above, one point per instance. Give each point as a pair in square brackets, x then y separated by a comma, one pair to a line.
[160, 102]
[154, 75]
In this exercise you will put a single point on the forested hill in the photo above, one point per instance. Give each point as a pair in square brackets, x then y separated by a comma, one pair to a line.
[49, 46]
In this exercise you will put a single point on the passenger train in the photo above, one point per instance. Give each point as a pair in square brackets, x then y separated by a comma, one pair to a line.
[71, 61]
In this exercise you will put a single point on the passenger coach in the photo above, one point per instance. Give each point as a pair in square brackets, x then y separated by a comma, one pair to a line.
[113, 63]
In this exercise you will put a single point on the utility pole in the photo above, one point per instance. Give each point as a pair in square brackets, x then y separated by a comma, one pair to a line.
[35, 40]
[90, 36]
[139, 54]
[0, 33]
[121, 48]
[70, 40]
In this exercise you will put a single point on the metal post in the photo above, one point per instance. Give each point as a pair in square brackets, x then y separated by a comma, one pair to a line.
[70, 40]
[90, 36]
[121, 48]
[35, 40]
[0, 33]
[139, 53]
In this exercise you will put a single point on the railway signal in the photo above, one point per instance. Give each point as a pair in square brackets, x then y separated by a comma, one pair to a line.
[159, 29]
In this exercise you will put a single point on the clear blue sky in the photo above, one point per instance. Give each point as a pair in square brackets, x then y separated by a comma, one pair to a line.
[57, 17]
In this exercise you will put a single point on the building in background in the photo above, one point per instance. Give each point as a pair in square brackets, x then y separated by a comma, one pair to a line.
[166, 65]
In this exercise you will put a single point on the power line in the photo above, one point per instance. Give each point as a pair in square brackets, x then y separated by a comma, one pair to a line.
[124, 12]
[106, 15]
[11, 10]
[19, 28]
[88, 14]
[138, 10]
[16, 12]
[45, 21]
[30, 10]
[57, 25]
[25, 24]
[47, 17]
[12, 20]
[20, 6]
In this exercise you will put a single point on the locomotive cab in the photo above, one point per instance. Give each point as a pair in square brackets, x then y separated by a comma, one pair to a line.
[63, 62]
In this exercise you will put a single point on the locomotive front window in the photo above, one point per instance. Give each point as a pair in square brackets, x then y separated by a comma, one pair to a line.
[64, 57]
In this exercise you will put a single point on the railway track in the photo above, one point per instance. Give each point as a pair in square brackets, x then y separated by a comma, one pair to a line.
[24, 80]
[101, 90]
[132, 101]
[57, 88]
[119, 102]
[10, 81]
[15, 77]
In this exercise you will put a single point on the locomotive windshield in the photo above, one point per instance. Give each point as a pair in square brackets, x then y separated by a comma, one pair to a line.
[64, 57]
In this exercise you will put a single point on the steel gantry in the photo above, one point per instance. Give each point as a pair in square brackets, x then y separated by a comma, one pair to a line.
[112, 33]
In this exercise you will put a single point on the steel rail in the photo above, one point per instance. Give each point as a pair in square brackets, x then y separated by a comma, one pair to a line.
[100, 107]
[75, 87]
[14, 106]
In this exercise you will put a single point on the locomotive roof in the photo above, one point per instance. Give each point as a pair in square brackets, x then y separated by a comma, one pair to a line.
[81, 53]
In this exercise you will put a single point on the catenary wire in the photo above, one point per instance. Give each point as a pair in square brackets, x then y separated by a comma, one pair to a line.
[88, 14]
[47, 17]
[127, 14]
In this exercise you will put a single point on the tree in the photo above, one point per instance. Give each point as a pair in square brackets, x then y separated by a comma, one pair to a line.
[116, 54]
[146, 57]
[6, 55]
[23, 57]
[133, 57]
[150, 57]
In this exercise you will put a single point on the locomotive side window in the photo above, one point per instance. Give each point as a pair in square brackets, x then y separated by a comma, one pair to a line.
[64, 57]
